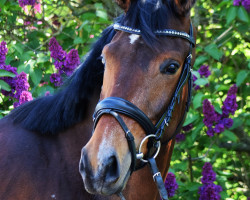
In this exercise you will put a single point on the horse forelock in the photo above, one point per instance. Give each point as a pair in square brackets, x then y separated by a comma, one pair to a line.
[148, 16]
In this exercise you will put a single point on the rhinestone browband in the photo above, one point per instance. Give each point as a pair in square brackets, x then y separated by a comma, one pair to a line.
[165, 32]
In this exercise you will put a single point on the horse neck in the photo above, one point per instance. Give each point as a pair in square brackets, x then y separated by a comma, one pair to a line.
[73, 139]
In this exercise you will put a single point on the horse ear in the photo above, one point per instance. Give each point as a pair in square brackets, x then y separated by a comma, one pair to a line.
[182, 7]
[124, 4]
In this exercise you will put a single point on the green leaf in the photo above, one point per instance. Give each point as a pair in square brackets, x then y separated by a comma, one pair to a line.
[221, 88]
[5, 86]
[230, 135]
[197, 74]
[2, 2]
[78, 40]
[217, 108]
[200, 60]
[190, 118]
[224, 195]
[197, 101]
[42, 58]
[4, 73]
[242, 14]
[98, 6]
[102, 14]
[231, 14]
[193, 186]
[213, 51]
[237, 122]
[197, 130]
[36, 75]
[181, 166]
[23, 68]
[201, 81]
[242, 75]
[19, 47]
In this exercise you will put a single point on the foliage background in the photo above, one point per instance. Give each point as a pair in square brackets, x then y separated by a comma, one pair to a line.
[222, 43]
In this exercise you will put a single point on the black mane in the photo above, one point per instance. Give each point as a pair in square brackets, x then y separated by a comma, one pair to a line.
[52, 114]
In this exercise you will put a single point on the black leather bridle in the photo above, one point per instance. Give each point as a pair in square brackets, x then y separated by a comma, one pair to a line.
[115, 106]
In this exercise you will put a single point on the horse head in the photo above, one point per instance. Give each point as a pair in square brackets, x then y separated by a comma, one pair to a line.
[145, 91]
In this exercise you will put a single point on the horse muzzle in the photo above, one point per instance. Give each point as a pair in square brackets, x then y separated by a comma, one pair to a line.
[106, 179]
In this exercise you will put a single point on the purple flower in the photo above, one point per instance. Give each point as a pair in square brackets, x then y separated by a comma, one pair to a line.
[227, 122]
[236, 2]
[209, 191]
[219, 128]
[58, 65]
[187, 127]
[232, 90]
[71, 62]
[230, 105]
[56, 50]
[246, 4]
[64, 63]
[209, 176]
[24, 97]
[204, 71]
[180, 137]
[170, 184]
[23, 3]
[56, 79]
[22, 84]
[3, 52]
[210, 131]
[209, 113]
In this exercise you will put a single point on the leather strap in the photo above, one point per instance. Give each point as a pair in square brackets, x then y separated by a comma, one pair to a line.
[158, 179]
[125, 107]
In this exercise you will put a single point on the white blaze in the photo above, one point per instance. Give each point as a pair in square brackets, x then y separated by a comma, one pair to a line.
[133, 38]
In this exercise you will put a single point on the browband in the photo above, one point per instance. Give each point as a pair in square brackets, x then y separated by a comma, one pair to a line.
[164, 32]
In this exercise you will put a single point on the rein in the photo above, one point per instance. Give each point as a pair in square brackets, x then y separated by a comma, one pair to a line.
[115, 106]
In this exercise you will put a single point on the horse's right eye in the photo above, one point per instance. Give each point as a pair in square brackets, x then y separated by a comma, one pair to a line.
[169, 67]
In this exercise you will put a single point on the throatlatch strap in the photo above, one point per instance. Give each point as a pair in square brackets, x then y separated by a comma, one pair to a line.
[158, 179]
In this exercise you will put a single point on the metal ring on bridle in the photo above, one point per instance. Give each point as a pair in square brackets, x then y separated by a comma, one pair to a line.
[156, 153]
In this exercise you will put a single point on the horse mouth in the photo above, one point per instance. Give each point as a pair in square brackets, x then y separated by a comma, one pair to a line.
[99, 187]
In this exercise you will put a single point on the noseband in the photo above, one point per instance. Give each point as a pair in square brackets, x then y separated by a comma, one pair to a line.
[115, 106]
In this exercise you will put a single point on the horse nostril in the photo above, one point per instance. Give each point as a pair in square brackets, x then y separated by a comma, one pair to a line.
[112, 170]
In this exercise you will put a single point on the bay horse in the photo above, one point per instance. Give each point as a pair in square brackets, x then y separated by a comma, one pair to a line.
[136, 74]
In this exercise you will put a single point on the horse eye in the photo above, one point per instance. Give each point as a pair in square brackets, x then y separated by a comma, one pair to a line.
[169, 67]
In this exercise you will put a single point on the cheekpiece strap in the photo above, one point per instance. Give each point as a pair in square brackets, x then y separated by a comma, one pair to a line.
[164, 32]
